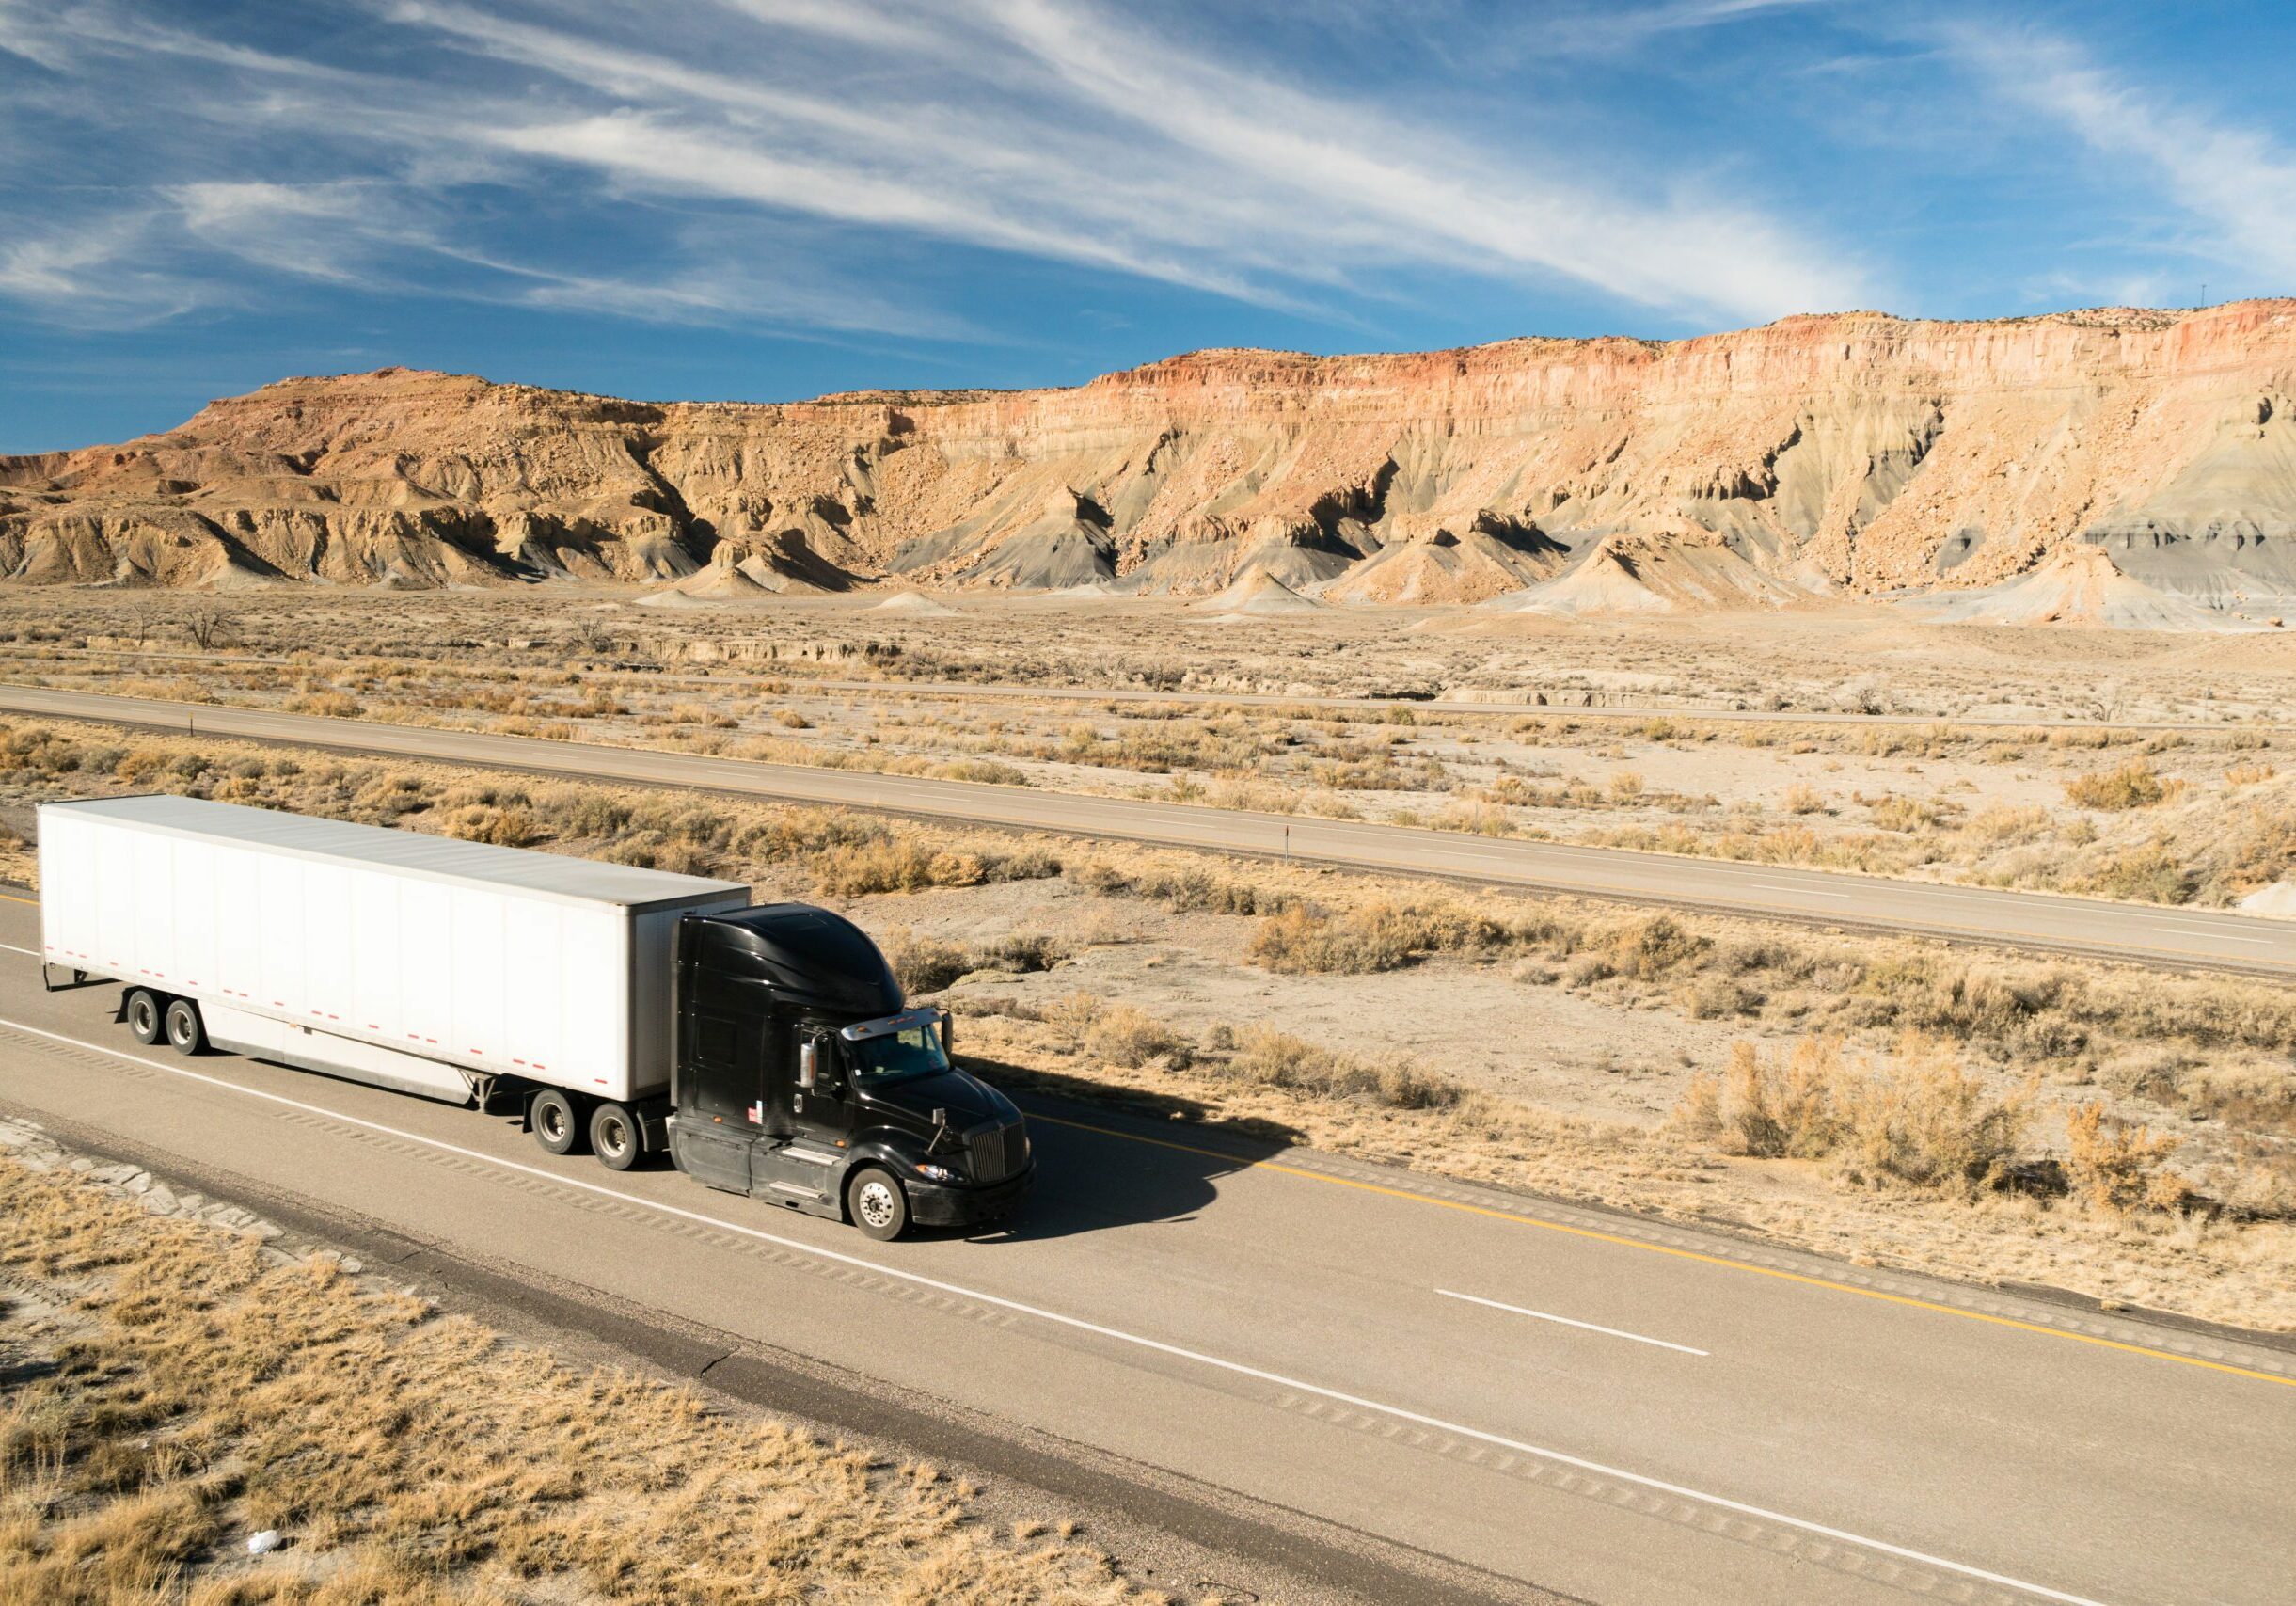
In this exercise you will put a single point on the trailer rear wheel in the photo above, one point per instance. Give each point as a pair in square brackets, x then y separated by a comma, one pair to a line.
[144, 1015]
[876, 1204]
[557, 1126]
[186, 1033]
[613, 1137]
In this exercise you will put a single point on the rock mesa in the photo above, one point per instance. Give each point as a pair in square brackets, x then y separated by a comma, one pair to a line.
[1851, 453]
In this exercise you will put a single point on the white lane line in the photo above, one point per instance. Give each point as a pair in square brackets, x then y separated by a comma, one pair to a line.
[1078, 1323]
[28, 953]
[1798, 891]
[1547, 1316]
[2206, 931]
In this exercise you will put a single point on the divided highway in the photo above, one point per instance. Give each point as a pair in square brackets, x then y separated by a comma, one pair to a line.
[2190, 939]
[1555, 1399]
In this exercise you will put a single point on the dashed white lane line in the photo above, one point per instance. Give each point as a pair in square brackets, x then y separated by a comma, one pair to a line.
[1569, 1322]
[1797, 891]
[28, 953]
[2206, 931]
[1079, 1324]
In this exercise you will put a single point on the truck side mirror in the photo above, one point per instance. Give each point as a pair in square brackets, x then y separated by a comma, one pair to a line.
[809, 1064]
[948, 1036]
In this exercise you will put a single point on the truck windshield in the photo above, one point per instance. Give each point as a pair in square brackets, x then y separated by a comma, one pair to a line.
[895, 1056]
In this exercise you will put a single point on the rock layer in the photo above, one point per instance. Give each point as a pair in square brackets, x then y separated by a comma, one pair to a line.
[1847, 454]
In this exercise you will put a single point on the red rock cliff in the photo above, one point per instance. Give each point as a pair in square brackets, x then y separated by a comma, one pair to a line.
[1854, 451]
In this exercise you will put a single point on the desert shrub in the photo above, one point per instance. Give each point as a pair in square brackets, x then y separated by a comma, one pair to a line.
[2118, 1166]
[1279, 1059]
[2140, 875]
[1919, 1118]
[507, 827]
[700, 714]
[1802, 798]
[1184, 888]
[1647, 950]
[1719, 998]
[927, 965]
[334, 705]
[1376, 937]
[1776, 1107]
[982, 770]
[2134, 785]
[1626, 785]
[1897, 813]
[1929, 1123]
[892, 864]
[1118, 1034]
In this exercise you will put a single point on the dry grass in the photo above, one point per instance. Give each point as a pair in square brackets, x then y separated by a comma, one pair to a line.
[928, 965]
[2117, 1165]
[201, 1391]
[2134, 785]
[1675, 782]
[1919, 1118]
[2152, 1046]
[1911, 1177]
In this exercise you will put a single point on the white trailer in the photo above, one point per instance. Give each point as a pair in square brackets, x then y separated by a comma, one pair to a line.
[422, 963]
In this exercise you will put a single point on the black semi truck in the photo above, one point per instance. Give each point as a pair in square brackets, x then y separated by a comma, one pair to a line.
[768, 1050]
[801, 1076]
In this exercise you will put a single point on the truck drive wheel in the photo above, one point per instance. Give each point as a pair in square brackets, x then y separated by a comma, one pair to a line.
[613, 1137]
[186, 1033]
[557, 1126]
[144, 1013]
[876, 1204]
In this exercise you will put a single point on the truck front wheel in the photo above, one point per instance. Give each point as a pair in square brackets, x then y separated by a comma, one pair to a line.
[876, 1204]
[144, 1012]
[185, 1034]
[613, 1137]
[557, 1126]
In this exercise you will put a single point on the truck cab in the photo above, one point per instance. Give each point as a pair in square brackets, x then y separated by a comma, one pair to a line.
[802, 1077]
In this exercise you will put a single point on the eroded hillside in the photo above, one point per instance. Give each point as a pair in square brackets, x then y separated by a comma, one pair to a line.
[1845, 453]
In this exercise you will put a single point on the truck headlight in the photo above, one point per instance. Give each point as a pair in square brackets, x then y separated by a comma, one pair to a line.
[932, 1172]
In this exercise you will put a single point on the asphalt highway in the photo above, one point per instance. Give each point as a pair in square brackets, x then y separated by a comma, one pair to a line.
[1609, 1408]
[1509, 702]
[2190, 939]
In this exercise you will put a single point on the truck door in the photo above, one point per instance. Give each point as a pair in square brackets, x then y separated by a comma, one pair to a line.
[823, 1113]
[722, 1089]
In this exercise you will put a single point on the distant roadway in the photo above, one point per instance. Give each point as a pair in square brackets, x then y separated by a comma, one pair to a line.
[2191, 938]
[1408, 1388]
[1513, 704]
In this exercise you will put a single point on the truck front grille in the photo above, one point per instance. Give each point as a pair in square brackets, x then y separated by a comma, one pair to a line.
[1000, 1152]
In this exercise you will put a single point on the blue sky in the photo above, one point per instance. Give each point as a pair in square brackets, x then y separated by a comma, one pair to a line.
[772, 198]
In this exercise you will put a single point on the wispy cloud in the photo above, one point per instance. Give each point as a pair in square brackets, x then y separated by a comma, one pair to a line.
[93, 273]
[1048, 130]
[2237, 186]
[1427, 194]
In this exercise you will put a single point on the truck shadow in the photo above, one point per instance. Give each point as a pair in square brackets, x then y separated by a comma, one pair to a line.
[1110, 1156]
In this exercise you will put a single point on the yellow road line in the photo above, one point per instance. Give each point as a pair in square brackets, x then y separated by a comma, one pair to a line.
[1722, 1260]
